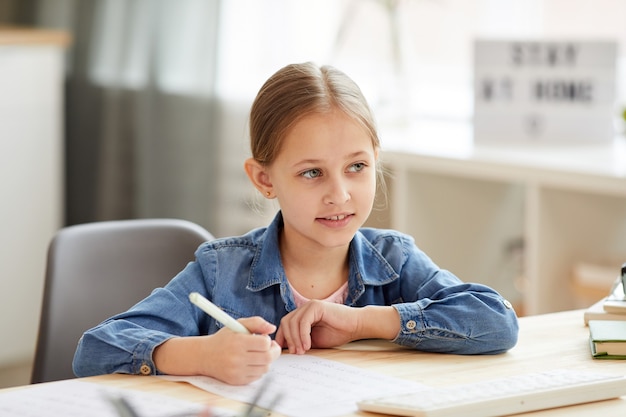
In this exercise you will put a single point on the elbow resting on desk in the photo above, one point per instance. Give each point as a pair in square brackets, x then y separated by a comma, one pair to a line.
[476, 324]
[114, 349]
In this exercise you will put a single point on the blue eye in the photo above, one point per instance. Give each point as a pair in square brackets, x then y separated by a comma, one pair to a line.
[359, 166]
[312, 173]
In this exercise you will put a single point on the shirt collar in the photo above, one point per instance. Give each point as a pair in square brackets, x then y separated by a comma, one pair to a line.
[367, 265]
[267, 267]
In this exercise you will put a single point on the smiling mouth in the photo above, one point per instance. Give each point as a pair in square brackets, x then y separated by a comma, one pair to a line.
[336, 218]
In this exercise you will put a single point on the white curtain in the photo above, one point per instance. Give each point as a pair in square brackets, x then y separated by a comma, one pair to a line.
[142, 136]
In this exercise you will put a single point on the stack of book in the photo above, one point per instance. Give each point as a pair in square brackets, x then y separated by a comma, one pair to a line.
[607, 322]
[599, 311]
[607, 339]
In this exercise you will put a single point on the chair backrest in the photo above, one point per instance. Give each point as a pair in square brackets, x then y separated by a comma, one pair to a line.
[96, 270]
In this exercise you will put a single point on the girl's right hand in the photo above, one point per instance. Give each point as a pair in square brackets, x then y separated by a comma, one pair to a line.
[231, 357]
[244, 358]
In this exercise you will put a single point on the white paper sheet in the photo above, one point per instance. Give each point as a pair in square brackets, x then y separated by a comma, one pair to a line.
[310, 386]
[76, 398]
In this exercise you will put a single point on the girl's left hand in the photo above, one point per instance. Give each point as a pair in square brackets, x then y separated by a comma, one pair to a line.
[318, 324]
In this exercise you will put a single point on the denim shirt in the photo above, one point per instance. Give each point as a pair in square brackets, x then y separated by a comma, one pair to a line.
[245, 277]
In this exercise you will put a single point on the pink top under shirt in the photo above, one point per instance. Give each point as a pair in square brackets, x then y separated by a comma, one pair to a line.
[338, 297]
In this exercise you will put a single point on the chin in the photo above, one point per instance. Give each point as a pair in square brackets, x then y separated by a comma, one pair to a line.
[338, 241]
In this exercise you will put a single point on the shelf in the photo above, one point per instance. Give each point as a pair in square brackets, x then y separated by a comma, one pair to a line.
[517, 217]
[31, 172]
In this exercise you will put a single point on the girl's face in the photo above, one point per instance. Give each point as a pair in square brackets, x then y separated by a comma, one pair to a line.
[324, 178]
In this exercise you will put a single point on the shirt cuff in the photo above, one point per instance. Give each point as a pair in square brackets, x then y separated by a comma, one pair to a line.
[143, 363]
[412, 323]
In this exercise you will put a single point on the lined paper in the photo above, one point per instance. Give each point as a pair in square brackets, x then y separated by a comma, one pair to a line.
[310, 386]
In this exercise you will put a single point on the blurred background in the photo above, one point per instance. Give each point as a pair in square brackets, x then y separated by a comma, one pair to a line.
[157, 93]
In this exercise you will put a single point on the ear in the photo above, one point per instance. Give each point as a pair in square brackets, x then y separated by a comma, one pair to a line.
[259, 177]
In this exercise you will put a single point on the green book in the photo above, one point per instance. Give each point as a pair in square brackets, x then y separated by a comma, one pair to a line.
[607, 339]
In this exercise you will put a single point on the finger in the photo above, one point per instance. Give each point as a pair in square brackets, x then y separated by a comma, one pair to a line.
[305, 336]
[263, 357]
[257, 343]
[246, 367]
[307, 318]
[287, 339]
[258, 325]
[276, 350]
[259, 363]
[293, 329]
[280, 338]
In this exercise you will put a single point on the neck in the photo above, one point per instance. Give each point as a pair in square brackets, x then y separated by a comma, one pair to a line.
[315, 273]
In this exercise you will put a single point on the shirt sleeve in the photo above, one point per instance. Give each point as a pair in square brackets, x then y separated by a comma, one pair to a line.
[125, 343]
[441, 313]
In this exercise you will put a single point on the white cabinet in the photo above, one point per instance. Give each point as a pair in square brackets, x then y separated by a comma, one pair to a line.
[472, 208]
[31, 178]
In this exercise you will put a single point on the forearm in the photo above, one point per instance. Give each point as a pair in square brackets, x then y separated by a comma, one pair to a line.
[378, 322]
[467, 323]
[184, 356]
[112, 348]
[231, 357]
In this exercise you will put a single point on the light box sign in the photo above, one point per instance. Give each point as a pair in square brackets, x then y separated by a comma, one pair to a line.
[543, 91]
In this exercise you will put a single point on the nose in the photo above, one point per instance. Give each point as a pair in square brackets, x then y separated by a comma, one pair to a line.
[337, 192]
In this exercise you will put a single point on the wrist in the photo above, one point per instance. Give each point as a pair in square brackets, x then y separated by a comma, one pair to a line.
[379, 322]
[177, 356]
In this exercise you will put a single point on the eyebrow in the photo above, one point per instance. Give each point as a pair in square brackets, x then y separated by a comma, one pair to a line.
[316, 161]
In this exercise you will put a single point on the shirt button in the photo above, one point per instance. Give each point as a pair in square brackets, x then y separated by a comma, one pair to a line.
[145, 369]
[507, 304]
[411, 324]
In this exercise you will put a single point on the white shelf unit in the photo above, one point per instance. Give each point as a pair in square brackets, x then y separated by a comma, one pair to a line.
[472, 207]
[31, 178]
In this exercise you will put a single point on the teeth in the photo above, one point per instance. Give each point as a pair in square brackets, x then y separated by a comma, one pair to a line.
[336, 217]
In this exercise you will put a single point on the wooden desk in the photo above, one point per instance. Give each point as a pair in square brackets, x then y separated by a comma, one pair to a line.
[557, 340]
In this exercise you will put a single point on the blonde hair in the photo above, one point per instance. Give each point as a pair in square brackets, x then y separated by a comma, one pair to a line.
[296, 91]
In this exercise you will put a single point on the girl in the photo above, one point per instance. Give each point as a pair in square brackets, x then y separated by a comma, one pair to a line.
[314, 278]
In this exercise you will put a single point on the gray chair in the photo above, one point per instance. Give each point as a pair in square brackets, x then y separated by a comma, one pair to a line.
[96, 270]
